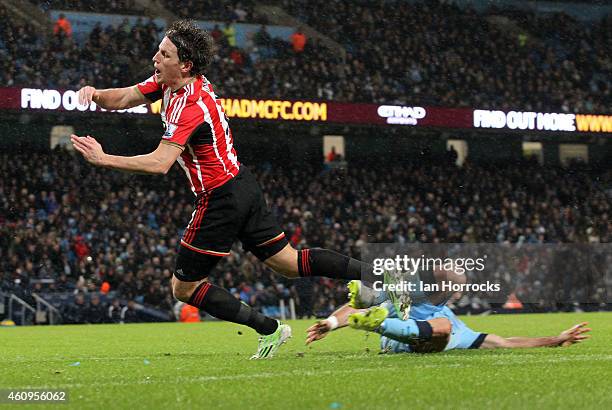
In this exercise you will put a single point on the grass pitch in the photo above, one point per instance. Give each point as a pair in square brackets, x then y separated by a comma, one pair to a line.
[206, 366]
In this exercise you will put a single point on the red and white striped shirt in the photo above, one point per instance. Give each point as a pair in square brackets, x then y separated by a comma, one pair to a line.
[194, 119]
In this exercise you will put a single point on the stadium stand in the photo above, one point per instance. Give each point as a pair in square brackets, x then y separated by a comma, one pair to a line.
[58, 236]
[402, 51]
[111, 57]
[409, 49]
[98, 6]
[74, 246]
[226, 10]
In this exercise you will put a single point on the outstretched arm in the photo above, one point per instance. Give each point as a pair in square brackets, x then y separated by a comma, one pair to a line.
[156, 162]
[112, 98]
[576, 334]
[440, 329]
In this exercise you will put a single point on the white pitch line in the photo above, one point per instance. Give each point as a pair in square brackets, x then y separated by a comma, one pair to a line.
[437, 356]
[307, 373]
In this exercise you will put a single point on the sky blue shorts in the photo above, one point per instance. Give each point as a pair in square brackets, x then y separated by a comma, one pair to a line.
[462, 337]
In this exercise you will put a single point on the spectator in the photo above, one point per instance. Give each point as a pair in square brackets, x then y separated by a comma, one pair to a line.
[80, 248]
[105, 288]
[237, 57]
[240, 14]
[63, 284]
[74, 313]
[114, 311]
[129, 314]
[96, 312]
[189, 314]
[216, 33]
[262, 37]
[298, 41]
[332, 155]
[229, 33]
[154, 295]
[62, 27]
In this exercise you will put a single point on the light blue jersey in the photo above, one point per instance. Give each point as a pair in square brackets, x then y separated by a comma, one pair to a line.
[396, 330]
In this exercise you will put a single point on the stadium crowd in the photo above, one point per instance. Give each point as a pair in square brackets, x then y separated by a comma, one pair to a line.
[432, 52]
[111, 56]
[225, 10]
[68, 227]
[119, 240]
[87, 6]
[440, 54]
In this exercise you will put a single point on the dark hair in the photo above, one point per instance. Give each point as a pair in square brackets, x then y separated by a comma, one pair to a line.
[193, 44]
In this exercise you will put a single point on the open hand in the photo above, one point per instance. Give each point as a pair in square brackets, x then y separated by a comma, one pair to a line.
[575, 334]
[90, 149]
[318, 331]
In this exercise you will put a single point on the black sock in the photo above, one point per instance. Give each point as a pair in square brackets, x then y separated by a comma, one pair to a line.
[323, 262]
[222, 305]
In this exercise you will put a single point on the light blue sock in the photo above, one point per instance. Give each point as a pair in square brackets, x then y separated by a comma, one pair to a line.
[401, 330]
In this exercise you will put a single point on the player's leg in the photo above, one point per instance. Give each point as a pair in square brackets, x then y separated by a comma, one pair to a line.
[213, 228]
[189, 285]
[409, 331]
[462, 336]
[417, 332]
[262, 236]
[316, 262]
[388, 345]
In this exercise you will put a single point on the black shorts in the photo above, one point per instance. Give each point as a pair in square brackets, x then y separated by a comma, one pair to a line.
[234, 211]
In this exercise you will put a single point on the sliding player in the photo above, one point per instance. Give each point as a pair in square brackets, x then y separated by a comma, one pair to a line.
[429, 328]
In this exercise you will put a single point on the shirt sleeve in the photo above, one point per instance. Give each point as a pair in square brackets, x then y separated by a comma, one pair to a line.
[189, 120]
[151, 89]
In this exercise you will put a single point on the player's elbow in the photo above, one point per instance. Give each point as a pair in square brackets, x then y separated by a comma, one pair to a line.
[163, 170]
[157, 170]
[162, 159]
[161, 167]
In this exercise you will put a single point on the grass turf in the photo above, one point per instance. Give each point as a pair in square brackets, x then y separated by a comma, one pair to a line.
[206, 365]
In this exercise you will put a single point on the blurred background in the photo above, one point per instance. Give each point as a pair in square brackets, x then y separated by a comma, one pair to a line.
[468, 121]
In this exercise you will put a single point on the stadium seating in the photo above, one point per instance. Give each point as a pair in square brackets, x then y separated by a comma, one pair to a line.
[224, 10]
[99, 6]
[433, 53]
[59, 240]
[51, 227]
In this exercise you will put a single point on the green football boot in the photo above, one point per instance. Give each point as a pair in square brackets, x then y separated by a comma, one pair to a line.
[369, 320]
[362, 296]
[269, 344]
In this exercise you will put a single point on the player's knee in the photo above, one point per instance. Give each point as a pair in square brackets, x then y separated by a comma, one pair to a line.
[189, 273]
[440, 327]
[286, 271]
[182, 291]
[180, 294]
[284, 262]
